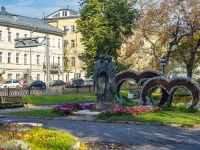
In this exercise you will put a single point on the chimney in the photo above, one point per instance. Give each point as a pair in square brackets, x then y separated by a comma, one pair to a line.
[3, 10]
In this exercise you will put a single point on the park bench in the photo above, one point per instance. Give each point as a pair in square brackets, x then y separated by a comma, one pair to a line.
[9, 101]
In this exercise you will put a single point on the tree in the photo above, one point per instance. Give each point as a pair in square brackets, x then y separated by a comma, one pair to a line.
[165, 25]
[183, 32]
[65, 58]
[104, 25]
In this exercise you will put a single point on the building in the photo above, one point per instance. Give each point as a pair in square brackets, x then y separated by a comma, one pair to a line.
[30, 62]
[65, 19]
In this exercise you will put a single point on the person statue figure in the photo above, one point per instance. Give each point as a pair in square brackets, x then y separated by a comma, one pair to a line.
[100, 79]
[111, 83]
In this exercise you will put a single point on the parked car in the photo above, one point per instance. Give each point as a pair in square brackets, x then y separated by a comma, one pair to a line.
[36, 83]
[88, 82]
[10, 84]
[77, 81]
[58, 83]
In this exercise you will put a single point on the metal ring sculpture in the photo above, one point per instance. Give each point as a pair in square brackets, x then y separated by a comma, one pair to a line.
[168, 87]
[139, 78]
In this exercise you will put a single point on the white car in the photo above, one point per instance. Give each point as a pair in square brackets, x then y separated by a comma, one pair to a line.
[9, 84]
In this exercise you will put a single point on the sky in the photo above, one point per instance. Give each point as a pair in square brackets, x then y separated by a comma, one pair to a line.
[37, 8]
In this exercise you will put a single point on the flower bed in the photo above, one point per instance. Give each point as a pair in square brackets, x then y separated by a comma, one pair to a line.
[68, 109]
[16, 136]
[135, 110]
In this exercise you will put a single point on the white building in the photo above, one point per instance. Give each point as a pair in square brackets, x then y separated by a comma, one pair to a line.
[21, 63]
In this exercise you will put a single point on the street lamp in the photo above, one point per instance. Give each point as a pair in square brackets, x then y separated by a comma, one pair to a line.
[163, 64]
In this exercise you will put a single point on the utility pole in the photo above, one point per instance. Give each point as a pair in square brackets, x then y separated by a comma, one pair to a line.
[47, 64]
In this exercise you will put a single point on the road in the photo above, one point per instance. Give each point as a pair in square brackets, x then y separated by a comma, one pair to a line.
[128, 136]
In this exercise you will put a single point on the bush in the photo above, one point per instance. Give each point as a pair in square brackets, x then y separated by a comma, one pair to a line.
[68, 109]
[135, 110]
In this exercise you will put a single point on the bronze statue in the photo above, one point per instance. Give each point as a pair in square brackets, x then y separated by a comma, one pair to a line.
[111, 83]
[100, 77]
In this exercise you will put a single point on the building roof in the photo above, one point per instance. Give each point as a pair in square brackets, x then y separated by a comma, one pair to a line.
[17, 21]
[67, 9]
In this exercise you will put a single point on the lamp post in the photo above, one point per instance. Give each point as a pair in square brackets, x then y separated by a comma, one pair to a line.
[163, 64]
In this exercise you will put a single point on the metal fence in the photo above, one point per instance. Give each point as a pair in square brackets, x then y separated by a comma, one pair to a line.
[51, 91]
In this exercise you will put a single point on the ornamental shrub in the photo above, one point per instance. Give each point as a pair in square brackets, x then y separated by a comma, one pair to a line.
[135, 110]
[68, 109]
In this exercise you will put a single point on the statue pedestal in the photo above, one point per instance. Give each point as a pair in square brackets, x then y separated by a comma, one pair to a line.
[100, 107]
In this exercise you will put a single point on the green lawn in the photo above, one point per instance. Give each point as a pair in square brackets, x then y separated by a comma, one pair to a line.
[60, 98]
[35, 113]
[159, 117]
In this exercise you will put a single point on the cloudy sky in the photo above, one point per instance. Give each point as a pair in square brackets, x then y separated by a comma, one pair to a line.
[36, 8]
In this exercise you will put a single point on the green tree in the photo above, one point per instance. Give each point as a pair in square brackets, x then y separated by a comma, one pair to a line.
[105, 25]
[171, 28]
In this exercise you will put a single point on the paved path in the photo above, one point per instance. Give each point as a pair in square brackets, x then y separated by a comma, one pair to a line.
[129, 136]
[126, 136]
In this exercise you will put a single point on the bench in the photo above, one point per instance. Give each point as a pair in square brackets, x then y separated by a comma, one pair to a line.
[8, 101]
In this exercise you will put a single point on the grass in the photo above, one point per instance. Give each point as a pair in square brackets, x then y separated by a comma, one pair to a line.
[60, 98]
[35, 113]
[159, 117]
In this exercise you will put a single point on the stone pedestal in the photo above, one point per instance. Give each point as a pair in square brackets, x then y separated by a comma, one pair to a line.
[100, 107]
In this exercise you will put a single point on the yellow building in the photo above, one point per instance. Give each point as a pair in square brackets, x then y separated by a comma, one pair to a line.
[65, 19]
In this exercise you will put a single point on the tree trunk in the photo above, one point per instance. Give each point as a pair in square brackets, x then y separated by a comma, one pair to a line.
[189, 71]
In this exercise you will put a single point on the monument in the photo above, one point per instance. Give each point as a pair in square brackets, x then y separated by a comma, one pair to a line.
[104, 84]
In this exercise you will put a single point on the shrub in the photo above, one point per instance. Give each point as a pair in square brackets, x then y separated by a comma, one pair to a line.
[135, 110]
[68, 109]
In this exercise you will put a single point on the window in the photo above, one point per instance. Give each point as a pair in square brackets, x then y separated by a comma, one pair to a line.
[64, 13]
[0, 35]
[38, 76]
[1, 57]
[9, 76]
[25, 58]
[53, 42]
[59, 61]
[65, 29]
[17, 35]
[17, 58]
[44, 59]
[72, 28]
[18, 76]
[38, 59]
[72, 43]
[9, 57]
[73, 61]
[9, 36]
[58, 43]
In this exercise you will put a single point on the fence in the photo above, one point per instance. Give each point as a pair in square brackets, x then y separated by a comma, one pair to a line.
[39, 91]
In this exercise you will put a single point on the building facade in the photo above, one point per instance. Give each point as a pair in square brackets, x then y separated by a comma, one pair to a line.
[29, 62]
[65, 19]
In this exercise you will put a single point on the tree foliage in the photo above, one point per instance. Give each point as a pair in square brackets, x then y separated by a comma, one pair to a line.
[171, 28]
[104, 25]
